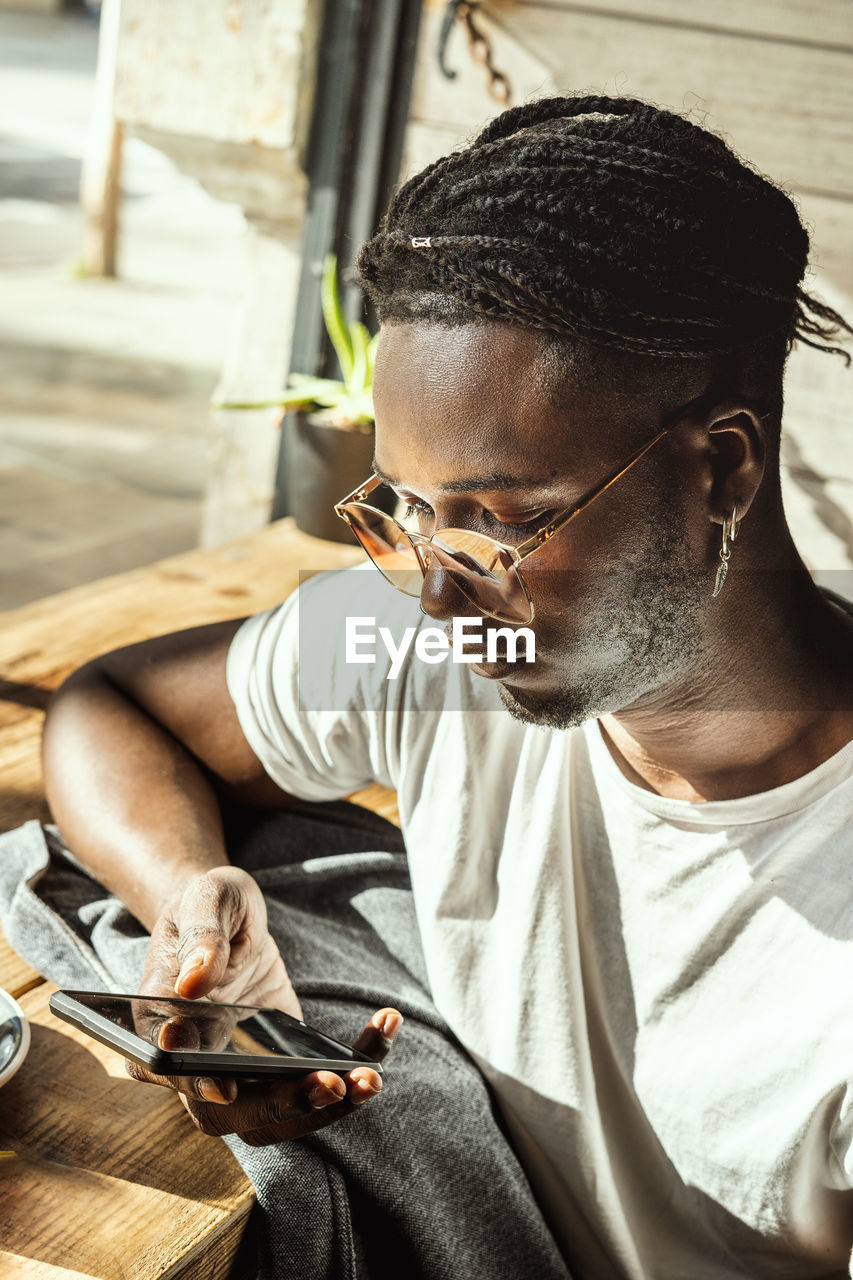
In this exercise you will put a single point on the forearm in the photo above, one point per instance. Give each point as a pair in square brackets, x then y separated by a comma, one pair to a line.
[132, 803]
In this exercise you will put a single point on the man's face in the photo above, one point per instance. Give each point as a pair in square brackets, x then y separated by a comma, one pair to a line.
[466, 430]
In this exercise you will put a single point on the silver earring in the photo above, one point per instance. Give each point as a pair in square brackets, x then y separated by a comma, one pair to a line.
[730, 532]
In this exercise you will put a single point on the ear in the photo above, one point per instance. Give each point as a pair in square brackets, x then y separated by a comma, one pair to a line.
[738, 439]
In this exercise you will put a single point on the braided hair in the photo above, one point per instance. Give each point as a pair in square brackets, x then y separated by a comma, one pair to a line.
[607, 220]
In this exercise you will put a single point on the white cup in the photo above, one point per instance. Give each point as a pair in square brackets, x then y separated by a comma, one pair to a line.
[14, 1036]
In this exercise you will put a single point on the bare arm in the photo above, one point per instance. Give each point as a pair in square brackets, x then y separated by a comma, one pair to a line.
[137, 747]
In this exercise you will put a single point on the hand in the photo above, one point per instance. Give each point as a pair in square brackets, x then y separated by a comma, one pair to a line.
[213, 941]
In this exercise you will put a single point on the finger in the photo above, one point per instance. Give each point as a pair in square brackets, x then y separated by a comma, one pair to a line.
[222, 1091]
[362, 1084]
[377, 1037]
[319, 1118]
[282, 1106]
[202, 954]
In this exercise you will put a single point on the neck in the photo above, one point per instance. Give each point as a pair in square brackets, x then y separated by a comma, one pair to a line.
[773, 698]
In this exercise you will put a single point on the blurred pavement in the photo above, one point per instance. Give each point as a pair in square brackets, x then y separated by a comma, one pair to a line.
[103, 383]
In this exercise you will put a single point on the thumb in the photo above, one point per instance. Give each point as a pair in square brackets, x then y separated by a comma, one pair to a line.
[205, 927]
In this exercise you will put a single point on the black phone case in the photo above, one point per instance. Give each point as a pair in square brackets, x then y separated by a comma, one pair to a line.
[165, 1062]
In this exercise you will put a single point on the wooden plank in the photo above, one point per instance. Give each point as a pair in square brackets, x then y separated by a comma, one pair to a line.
[827, 22]
[214, 1259]
[43, 642]
[89, 1192]
[48, 638]
[794, 120]
[380, 800]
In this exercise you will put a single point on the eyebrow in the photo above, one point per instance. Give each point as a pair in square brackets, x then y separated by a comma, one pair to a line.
[490, 482]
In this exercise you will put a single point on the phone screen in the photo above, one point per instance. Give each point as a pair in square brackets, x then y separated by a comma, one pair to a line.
[191, 1030]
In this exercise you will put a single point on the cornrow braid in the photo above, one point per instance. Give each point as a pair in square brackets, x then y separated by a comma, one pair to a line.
[605, 219]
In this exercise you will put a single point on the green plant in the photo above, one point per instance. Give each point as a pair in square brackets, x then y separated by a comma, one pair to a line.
[344, 404]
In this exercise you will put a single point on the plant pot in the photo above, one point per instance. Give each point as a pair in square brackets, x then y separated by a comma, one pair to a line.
[324, 464]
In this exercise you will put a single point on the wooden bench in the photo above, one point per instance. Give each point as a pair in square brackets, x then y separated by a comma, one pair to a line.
[110, 1180]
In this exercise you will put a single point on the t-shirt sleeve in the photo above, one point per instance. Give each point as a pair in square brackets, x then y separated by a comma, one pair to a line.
[318, 728]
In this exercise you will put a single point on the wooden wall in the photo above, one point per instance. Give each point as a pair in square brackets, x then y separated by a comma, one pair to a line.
[776, 78]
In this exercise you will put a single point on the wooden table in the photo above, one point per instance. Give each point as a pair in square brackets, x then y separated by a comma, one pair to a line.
[109, 1178]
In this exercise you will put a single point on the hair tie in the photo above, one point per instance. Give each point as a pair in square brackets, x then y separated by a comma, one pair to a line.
[421, 242]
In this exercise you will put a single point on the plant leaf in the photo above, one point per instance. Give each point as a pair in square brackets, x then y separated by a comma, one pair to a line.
[336, 326]
[315, 386]
[350, 411]
[287, 400]
[300, 379]
[303, 390]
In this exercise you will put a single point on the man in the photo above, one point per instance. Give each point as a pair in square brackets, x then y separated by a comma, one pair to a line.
[632, 889]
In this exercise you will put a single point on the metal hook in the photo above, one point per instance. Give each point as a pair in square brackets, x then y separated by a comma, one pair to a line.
[444, 36]
[478, 46]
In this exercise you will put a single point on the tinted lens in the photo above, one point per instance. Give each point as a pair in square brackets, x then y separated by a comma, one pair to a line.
[483, 572]
[388, 547]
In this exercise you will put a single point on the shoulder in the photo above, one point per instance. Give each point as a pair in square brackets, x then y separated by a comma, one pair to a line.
[345, 639]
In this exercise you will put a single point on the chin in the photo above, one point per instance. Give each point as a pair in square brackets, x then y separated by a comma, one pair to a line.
[556, 710]
[587, 696]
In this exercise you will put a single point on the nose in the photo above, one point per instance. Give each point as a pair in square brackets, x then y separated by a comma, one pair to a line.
[441, 598]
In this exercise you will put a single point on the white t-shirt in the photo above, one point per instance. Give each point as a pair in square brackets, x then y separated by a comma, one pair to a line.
[658, 992]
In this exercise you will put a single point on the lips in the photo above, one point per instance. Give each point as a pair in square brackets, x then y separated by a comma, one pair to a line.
[478, 646]
[502, 667]
[509, 672]
[492, 670]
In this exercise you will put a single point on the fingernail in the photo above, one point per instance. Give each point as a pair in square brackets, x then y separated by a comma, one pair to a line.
[367, 1090]
[192, 962]
[322, 1095]
[358, 1099]
[391, 1024]
[222, 1091]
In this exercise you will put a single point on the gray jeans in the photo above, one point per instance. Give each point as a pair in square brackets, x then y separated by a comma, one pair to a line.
[422, 1183]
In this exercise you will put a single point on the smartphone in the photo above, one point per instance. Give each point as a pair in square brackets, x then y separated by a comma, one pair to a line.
[174, 1037]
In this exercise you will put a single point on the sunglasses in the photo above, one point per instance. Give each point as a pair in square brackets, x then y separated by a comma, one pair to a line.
[486, 571]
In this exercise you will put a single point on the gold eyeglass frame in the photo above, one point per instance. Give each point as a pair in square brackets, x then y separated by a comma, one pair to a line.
[524, 549]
